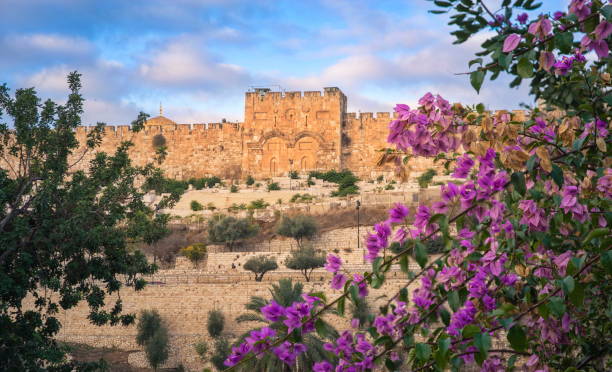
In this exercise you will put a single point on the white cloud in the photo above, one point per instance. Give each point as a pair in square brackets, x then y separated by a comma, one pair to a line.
[184, 62]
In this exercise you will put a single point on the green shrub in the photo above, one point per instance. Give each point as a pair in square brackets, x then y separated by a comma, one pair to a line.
[162, 185]
[301, 198]
[345, 179]
[156, 348]
[236, 207]
[216, 323]
[310, 182]
[250, 180]
[380, 178]
[196, 206]
[148, 322]
[201, 348]
[222, 351]
[298, 228]
[389, 187]
[294, 175]
[425, 179]
[229, 230]
[305, 260]
[258, 204]
[195, 252]
[234, 189]
[260, 265]
[273, 186]
[211, 206]
[204, 182]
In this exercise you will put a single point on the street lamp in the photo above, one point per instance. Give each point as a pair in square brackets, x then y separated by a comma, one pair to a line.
[357, 205]
[290, 171]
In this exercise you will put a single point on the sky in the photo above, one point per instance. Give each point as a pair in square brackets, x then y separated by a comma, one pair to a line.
[198, 57]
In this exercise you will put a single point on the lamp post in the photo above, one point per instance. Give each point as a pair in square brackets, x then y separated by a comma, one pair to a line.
[290, 171]
[357, 205]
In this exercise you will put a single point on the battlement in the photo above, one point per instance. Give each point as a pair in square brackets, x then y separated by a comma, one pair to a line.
[370, 116]
[125, 130]
[267, 94]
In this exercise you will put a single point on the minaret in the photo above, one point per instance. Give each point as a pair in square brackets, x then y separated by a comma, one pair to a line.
[161, 110]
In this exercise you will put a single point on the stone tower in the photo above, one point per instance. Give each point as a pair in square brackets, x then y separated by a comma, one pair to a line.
[292, 131]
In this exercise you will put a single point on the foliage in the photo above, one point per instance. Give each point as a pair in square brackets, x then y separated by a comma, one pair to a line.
[162, 185]
[149, 321]
[389, 187]
[215, 324]
[425, 179]
[380, 178]
[201, 348]
[294, 175]
[285, 293]
[229, 230]
[148, 227]
[157, 347]
[204, 182]
[237, 207]
[526, 272]
[159, 140]
[301, 198]
[260, 265]
[305, 259]
[211, 206]
[222, 350]
[63, 235]
[196, 206]
[194, 252]
[345, 179]
[250, 180]
[310, 182]
[234, 189]
[258, 204]
[273, 186]
[298, 227]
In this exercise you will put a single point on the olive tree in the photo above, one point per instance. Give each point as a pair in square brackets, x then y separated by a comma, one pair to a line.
[260, 265]
[230, 230]
[298, 228]
[305, 260]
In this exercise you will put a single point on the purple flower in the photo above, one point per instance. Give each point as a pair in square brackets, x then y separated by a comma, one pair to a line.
[558, 15]
[604, 184]
[288, 352]
[563, 66]
[333, 263]
[273, 311]
[461, 318]
[512, 41]
[464, 165]
[398, 213]
[522, 18]
[603, 30]
[323, 366]
[581, 8]
[421, 218]
[361, 284]
[384, 324]
[338, 281]
[541, 28]
[547, 60]
[258, 339]
[238, 352]
[535, 218]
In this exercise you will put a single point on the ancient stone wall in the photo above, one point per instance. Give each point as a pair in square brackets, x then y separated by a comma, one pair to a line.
[194, 150]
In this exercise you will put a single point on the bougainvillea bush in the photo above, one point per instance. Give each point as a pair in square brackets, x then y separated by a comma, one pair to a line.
[524, 281]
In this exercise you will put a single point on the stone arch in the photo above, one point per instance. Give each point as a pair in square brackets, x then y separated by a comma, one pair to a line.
[274, 159]
[304, 164]
[306, 151]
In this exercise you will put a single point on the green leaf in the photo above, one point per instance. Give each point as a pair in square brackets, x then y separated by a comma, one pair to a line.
[596, 233]
[470, 330]
[376, 264]
[421, 254]
[607, 12]
[518, 181]
[568, 284]
[482, 341]
[443, 4]
[423, 351]
[577, 295]
[480, 108]
[517, 338]
[321, 328]
[404, 263]
[504, 60]
[606, 261]
[403, 295]
[564, 41]
[477, 60]
[341, 304]
[557, 175]
[442, 354]
[476, 79]
[453, 300]
[556, 306]
[525, 68]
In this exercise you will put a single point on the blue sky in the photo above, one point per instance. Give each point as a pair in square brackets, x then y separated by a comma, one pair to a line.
[198, 57]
